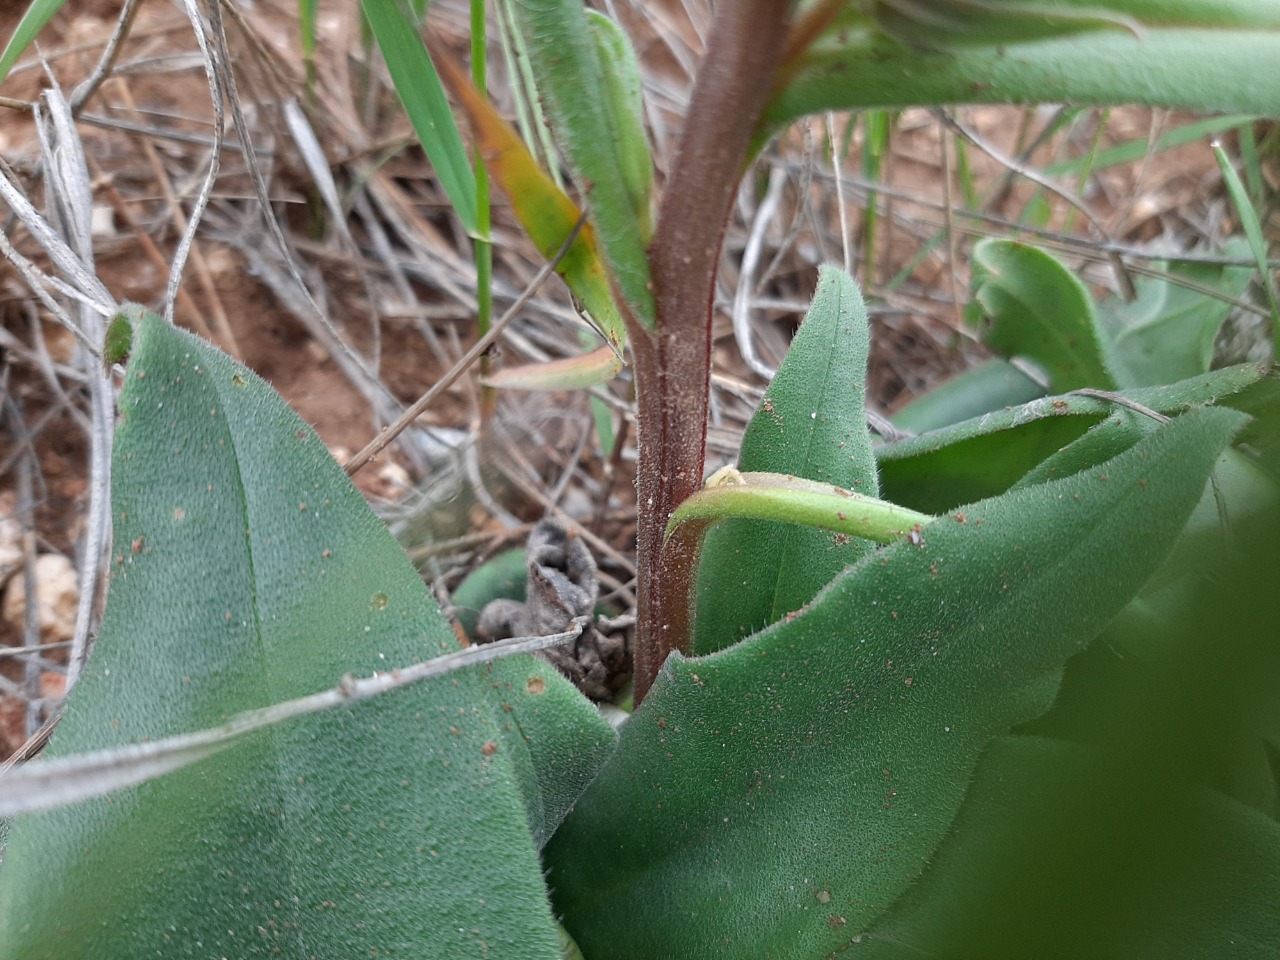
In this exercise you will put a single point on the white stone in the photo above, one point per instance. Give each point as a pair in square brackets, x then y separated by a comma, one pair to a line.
[10, 546]
[57, 590]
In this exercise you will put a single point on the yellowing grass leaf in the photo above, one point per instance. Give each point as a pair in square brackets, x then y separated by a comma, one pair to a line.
[545, 211]
[571, 373]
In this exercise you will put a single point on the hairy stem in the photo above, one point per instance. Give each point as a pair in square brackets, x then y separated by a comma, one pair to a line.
[673, 364]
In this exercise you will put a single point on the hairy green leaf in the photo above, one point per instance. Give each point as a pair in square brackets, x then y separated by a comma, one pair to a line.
[596, 130]
[1213, 57]
[246, 571]
[985, 455]
[777, 797]
[623, 90]
[1099, 443]
[1168, 332]
[1031, 306]
[44, 784]
[811, 423]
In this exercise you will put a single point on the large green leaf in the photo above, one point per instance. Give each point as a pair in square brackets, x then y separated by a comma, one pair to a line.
[1124, 842]
[774, 799]
[1209, 57]
[1032, 306]
[248, 570]
[1168, 332]
[591, 111]
[1060, 853]
[811, 423]
[1099, 443]
[985, 455]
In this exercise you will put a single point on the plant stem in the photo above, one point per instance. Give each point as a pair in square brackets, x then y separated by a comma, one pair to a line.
[483, 244]
[673, 363]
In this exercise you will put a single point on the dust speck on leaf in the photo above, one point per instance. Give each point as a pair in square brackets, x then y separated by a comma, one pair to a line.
[179, 514]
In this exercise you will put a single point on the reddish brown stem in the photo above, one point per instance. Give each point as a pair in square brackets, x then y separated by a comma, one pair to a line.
[673, 365]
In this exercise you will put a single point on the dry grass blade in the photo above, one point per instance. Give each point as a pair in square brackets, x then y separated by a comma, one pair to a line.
[215, 155]
[259, 182]
[377, 445]
[87, 288]
[89, 85]
[67, 174]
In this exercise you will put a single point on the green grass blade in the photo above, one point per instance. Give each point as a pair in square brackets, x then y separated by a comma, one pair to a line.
[878, 128]
[38, 14]
[1137, 149]
[483, 242]
[1253, 231]
[1252, 165]
[307, 38]
[419, 89]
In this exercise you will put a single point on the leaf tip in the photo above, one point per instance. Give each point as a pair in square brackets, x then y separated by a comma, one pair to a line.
[118, 341]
